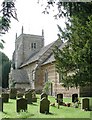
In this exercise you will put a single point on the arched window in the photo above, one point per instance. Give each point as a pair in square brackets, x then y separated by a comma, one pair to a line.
[46, 75]
[33, 75]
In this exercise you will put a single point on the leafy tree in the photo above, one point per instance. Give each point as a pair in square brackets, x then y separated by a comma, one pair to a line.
[74, 61]
[1, 44]
[8, 11]
[4, 69]
[68, 9]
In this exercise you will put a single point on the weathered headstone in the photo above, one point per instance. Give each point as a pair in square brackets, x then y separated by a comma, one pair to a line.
[85, 103]
[1, 104]
[20, 95]
[75, 97]
[21, 104]
[13, 93]
[34, 99]
[28, 96]
[44, 95]
[5, 97]
[59, 98]
[44, 105]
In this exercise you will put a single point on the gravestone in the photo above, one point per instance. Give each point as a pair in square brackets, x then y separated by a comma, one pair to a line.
[74, 98]
[34, 99]
[20, 95]
[44, 105]
[44, 95]
[13, 93]
[1, 104]
[5, 97]
[85, 104]
[60, 98]
[28, 96]
[21, 104]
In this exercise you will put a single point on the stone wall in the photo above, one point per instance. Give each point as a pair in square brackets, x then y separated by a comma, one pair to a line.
[57, 87]
[29, 68]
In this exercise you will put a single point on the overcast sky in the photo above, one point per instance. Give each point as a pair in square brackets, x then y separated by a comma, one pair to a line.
[30, 16]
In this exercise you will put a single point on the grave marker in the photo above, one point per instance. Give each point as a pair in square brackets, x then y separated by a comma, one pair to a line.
[44, 105]
[1, 104]
[34, 99]
[21, 104]
[28, 96]
[5, 97]
[75, 97]
[44, 95]
[13, 92]
[20, 95]
[85, 104]
[60, 99]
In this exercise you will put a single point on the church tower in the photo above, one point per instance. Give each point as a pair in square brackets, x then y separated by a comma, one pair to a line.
[26, 45]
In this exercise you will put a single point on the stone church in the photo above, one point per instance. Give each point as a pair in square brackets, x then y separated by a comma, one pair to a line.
[33, 64]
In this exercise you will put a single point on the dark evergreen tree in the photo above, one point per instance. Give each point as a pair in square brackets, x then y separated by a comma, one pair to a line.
[5, 65]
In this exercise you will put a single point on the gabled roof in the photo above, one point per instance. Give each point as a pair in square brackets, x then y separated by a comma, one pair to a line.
[37, 55]
[51, 57]
[43, 54]
[20, 76]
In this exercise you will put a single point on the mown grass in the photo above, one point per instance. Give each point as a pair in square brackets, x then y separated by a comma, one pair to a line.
[33, 110]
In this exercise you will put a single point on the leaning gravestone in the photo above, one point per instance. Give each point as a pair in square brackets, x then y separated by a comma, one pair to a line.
[85, 104]
[1, 104]
[21, 104]
[75, 97]
[5, 97]
[44, 95]
[44, 105]
[59, 98]
[28, 96]
[13, 93]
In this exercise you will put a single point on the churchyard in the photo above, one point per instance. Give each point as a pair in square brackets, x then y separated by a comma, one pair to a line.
[31, 105]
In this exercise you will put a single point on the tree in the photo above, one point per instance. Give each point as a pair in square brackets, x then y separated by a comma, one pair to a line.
[74, 61]
[5, 69]
[8, 11]
[68, 9]
[1, 44]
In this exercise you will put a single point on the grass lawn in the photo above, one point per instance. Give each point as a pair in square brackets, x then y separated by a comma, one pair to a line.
[33, 111]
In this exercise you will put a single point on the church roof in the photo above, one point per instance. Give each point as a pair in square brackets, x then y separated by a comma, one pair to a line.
[37, 55]
[20, 76]
[51, 57]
